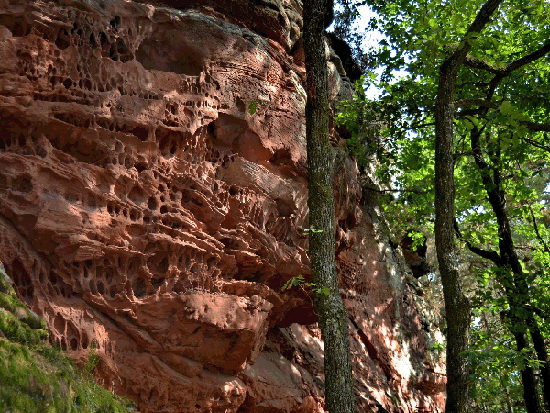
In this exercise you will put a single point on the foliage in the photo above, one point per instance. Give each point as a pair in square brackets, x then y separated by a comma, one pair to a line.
[300, 282]
[93, 360]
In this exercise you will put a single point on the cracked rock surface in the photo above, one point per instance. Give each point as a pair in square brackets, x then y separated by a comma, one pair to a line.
[144, 209]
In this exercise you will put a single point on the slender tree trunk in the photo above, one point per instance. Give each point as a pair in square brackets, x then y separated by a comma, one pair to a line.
[333, 316]
[520, 295]
[457, 306]
[511, 275]
[530, 394]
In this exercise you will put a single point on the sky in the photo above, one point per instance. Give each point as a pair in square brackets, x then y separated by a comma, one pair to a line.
[371, 40]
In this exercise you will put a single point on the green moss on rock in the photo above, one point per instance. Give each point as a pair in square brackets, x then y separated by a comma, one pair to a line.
[36, 377]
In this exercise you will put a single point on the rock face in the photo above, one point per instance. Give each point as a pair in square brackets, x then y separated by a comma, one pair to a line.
[145, 210]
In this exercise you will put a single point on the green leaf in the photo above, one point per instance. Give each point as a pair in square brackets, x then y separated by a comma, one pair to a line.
[474, 120]
[293, 282]
[322, 291]
[252, 106]
[506, 107]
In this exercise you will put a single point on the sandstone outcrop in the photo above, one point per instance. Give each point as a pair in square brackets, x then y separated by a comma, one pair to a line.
[144, 208]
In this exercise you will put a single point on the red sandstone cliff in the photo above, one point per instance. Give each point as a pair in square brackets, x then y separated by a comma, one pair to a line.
[143, 208]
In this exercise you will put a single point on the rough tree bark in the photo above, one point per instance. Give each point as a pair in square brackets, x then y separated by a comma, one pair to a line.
[333, 316]
[457, 307]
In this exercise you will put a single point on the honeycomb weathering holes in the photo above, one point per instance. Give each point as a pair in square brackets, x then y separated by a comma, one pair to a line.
[152, 203]
[139, 287]
[115, 22]
[22, 281]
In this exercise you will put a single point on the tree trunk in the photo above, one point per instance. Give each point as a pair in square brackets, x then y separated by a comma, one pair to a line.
[542, 356]
[530, 394]
[333, 316]
[457, 306]
[511, 275]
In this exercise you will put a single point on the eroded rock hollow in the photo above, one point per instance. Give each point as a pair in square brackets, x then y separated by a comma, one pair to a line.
[146, 212]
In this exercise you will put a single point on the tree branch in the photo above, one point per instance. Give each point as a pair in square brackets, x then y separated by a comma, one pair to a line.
[536, 127]
[516, 64]
[475, 102]
[536, 228]
[537, 144]
[480, 64]
[470, 112]
[481, 20]
[385, 191]
[489, 255]
[537, 54]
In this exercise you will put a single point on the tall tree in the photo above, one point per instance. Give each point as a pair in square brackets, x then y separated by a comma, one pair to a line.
[457, 306]
[333, 316]
[510, 274]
